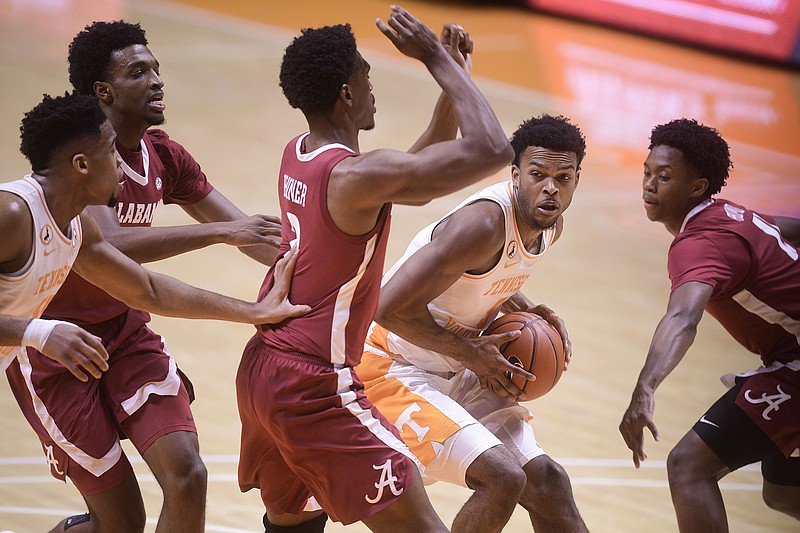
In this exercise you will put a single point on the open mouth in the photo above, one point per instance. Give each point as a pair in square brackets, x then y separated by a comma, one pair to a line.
[156, 103]
[548, 207]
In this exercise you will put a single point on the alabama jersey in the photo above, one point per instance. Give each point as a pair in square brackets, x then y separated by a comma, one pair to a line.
[337, 274]
[754, 272]
[161, 170]
[26, 293]
[469, 305]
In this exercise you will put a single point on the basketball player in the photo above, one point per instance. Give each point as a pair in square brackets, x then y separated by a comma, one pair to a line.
[311, 441]
[111, 61]
[70, 144]
[742, 267]
[429, 370]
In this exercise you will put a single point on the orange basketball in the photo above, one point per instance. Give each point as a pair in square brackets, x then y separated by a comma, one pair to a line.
[539, 350]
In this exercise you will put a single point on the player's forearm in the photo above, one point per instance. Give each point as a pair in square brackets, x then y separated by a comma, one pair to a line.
[11, 329]
[264, 253]
[148, 244]
[442, 127]
[423, 331]
[671, 341]
[170, 297]
[479, 126]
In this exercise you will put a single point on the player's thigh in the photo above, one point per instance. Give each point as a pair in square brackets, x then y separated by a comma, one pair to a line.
[509, 421]
[77, 432]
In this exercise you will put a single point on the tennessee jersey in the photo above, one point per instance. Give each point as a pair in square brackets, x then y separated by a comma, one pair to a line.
[27, 292]
[469, 305]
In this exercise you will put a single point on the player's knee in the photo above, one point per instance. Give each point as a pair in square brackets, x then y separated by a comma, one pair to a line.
[498, 476]
[315, 525]
[681, 466]
[187, 479]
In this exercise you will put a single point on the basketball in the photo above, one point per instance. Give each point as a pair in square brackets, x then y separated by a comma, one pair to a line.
[539, 350]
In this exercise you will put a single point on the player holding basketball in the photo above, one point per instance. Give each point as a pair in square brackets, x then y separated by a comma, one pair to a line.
[70, 144]
[311, 441]
[742, 267]
[443, 385]
[111, 61]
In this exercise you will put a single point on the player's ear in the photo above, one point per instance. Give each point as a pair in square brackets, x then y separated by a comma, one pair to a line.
[80, 163]
[699, 187]
[103, 91]
[515, 175]
[346, 95]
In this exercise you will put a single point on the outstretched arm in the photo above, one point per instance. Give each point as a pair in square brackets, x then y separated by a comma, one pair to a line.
[443, 125]
[674, 335]
[222, 223]
[366, 182]
[105, 266]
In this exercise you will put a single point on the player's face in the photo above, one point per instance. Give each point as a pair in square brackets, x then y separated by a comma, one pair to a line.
[670, 186]
[136, 86]
[363, 99]
[105, 179]
[544, 183]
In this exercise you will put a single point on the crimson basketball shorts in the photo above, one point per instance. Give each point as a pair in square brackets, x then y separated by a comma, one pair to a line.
[79, 424]
[311, 440]
[447, 420]
[758, 419]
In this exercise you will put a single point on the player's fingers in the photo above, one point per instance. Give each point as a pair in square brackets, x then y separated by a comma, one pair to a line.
[76, 371]
[501, 339]
[653, 430]
[387, 31]
[518, 370]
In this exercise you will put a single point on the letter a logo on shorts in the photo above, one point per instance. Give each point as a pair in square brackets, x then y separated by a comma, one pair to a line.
[52, 461]
[387, 480]
[773, 401]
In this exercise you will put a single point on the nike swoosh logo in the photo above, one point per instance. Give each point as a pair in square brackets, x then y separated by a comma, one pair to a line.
[509, 264]
[705, 420]
[48, 252]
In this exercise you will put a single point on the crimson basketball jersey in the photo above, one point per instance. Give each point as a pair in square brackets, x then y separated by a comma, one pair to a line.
[161, 170]
[754, 272]
[337, 275]
[26, 293]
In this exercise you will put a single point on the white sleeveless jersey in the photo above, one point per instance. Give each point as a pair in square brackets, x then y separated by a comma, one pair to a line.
[469, 305]
[26, 293]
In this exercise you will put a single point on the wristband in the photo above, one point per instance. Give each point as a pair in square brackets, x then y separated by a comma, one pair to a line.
[38, 331]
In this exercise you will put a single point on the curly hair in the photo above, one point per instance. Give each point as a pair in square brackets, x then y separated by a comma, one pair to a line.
[90, 52]
[702, 147]
[315, 66]
[549, 132]
[56, 122]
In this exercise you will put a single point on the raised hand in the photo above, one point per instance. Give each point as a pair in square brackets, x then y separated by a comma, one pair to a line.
[77, 350]
[409, 35]
[457, 42]
[276, 307]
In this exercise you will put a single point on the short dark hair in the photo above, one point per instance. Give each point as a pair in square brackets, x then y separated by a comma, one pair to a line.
[91, 50]
[549, 132]
[702, 147]
[315, 66]
[56, 122]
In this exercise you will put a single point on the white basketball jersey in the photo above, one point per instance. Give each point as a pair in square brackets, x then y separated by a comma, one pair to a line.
[469, 305]
[27, 292]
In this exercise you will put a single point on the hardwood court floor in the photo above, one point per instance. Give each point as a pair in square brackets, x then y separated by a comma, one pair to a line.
[606, 276]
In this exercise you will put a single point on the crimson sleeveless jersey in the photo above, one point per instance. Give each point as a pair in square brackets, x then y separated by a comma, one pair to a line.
[161, 170]
[754, 272]
[338, 275]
